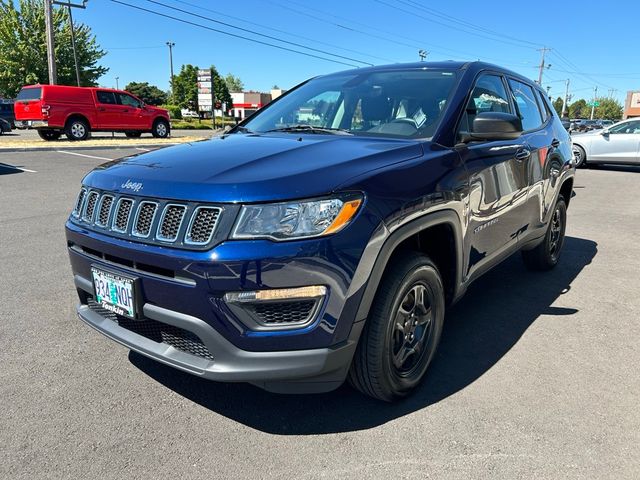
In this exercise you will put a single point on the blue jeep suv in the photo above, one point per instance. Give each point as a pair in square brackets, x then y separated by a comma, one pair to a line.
[322, 238]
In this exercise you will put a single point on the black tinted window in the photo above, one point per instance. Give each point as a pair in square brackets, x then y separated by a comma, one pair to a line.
[527, 106]
[489, 95]
[106, 97]
[29, 94]
[544, 105]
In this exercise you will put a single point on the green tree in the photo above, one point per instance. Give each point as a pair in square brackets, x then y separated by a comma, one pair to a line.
[23, 48]
[185, 87]
[557, 105]
[234, 84]
[220, 89]
[608, 108]
[579, 109]
[147, 93]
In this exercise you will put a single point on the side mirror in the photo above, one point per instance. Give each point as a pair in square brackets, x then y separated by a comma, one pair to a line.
[488, 126]
[605, 132]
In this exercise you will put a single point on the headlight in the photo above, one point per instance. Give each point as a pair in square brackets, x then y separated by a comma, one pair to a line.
[294, 220]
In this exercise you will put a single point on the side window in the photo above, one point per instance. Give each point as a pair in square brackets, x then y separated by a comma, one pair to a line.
[527, 106]
[627, 127]
[488, 95]
[544, 106]
[106, 97]
[128, 100]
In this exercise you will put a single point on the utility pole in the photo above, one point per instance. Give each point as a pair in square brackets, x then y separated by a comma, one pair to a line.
[69, 6]
[566, 98]
[51, 61]
[422, 54]
[593, 104]
[543, 51]
[117, 85]
[171, 45]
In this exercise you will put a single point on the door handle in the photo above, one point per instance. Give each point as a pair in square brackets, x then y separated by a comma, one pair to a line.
[125, 110]
[101, 109]
[555, 143]
[522, 154]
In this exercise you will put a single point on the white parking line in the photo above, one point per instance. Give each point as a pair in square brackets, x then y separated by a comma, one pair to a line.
[83, 155]
[143, 149]
[17, 168]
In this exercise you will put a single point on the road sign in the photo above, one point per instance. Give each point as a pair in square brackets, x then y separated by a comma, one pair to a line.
[594, 104]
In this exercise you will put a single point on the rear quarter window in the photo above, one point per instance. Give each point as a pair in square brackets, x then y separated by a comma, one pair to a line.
[29, 94]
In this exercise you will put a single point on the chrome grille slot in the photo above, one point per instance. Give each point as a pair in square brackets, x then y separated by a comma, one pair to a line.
[121, 218]
[104, 210]
[90, 207]
[144, 219]
[79, 202]
[202, 225]
[170, 223]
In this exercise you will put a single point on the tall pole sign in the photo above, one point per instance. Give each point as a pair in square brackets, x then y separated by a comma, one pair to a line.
[206, 101]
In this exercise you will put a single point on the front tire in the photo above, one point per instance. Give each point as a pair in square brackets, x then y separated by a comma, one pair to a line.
[160, 129]
[77, 129]
[546, 255]
[49, 135]
[403, 330]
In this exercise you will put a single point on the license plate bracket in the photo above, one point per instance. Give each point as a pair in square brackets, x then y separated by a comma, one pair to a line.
[116, 292]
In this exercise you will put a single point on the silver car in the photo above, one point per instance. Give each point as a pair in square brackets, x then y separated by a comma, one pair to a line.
[619, 143]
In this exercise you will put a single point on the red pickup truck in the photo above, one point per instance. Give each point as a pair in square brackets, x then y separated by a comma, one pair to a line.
[77, 111]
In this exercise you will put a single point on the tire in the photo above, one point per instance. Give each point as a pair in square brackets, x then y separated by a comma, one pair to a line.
[133, 134]
[49, 135]
[386, 365]
[546, 255]
[77, 129]
[160, 129]
[580, 156]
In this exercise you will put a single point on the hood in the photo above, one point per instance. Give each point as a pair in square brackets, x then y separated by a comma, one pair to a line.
[251, 168]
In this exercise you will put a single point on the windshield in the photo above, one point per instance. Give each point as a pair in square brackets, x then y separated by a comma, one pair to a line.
[398, 103]
[29, 94]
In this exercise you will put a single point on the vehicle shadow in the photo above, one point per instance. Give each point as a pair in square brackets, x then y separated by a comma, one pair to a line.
[477, 334]
[615, 168]
[9, 169]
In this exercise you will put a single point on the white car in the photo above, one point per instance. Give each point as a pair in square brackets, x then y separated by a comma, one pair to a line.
[619, 143]
[186, 113]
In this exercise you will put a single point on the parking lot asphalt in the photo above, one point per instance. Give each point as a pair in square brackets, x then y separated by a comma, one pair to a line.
[537, 374]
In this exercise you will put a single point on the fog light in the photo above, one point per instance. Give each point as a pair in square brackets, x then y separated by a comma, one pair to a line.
[314, 291]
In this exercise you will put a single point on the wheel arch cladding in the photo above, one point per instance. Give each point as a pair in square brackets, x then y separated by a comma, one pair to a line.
[566, 190]
[437, 235]
[77, 116]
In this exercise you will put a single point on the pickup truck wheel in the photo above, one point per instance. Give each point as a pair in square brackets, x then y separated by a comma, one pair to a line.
[160, 129]
[546, 255]
[77, 129]
[580, 156]
[403, 330]
[49, 135]
[133, 134]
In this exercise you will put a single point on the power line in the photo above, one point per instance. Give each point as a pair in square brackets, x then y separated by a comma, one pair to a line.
[464, 23]
[171, 17]
[259, 25]
[253, 32]
[395, 7]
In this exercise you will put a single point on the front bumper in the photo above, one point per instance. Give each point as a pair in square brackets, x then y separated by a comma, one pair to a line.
[297, 371]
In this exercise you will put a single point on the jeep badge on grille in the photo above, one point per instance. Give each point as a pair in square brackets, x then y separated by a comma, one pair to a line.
[134, 186]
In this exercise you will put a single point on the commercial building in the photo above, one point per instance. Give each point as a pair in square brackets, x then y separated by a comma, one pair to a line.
[632, 104]
[247, 103]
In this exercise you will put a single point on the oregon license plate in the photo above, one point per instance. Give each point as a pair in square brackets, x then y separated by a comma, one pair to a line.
[114, 292]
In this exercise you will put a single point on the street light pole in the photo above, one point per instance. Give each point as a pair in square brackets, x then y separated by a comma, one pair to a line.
[117, 85]
[566, 99]
[593, 104]
[171, 45]
[73, 45]
[51, 61]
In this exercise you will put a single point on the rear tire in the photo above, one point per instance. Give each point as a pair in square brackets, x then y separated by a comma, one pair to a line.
[546, 255]
[580, 156]
[77, 129]
[49, 135]
[160, 129]
[133, 134]
[402, 331]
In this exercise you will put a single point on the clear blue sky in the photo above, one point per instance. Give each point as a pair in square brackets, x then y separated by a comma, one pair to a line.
[373, 31]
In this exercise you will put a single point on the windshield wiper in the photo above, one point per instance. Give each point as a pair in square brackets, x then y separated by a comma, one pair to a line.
[242, 129]
[311, 129]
